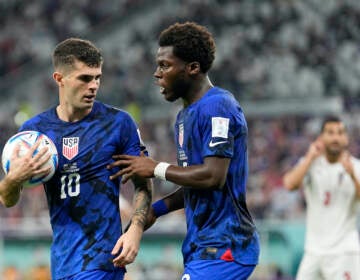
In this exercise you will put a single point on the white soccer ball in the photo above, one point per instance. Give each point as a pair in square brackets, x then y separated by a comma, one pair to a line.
[26, 139]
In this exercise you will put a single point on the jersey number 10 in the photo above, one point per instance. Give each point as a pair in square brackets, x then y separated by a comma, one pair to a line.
[70, 185]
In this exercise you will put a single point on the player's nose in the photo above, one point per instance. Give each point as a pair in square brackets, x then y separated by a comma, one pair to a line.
[94, 84]
[157, 73]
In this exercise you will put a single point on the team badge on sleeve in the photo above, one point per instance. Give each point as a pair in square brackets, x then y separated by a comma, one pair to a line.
[220, 127]
[70, 147]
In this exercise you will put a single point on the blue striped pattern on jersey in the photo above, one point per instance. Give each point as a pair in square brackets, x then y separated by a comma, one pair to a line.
[217, 220]
[83, 201]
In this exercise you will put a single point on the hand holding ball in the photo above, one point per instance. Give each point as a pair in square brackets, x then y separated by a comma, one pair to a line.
[25, 140]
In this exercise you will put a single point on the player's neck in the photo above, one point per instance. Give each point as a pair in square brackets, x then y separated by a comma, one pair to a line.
[332, 158]
[197, 91]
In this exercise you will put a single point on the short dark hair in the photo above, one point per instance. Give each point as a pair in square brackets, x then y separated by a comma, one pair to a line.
[330, 119]
[71, 49]
[190, 42]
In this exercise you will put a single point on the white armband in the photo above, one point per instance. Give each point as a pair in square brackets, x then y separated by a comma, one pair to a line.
[160, 170]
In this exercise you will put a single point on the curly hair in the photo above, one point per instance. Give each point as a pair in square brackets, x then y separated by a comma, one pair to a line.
[71, 49]
[190, 42]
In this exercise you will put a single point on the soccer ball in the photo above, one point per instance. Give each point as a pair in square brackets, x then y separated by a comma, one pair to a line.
[26, 139]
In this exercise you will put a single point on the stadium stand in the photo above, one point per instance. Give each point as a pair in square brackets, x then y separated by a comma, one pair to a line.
[287, 62]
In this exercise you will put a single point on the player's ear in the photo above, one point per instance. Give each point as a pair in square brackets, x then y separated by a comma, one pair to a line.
[57, 76]
[193, 67]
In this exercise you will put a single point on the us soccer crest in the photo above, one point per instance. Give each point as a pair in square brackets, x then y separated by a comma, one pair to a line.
[70, 147]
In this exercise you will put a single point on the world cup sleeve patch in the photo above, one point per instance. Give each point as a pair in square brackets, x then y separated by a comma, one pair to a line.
[220, 127]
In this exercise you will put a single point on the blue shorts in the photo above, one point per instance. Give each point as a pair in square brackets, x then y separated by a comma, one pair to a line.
[216, 269]
[97, 275]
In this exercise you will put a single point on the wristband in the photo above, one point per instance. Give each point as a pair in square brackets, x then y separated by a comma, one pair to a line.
[160, 208]
[160, 170]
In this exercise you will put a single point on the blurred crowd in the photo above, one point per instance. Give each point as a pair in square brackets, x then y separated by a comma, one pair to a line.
[265, 50]
[29, 29]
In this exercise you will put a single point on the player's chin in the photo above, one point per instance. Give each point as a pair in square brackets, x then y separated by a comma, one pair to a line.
[88, 104]
[170, 97]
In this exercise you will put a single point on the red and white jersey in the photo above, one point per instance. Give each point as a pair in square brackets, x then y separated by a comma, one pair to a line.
[331, 208]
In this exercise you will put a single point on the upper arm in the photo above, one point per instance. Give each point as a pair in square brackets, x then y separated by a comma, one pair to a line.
[212, 145]
[217, 132]
[217, 168]
[131, 143]
[222, 124]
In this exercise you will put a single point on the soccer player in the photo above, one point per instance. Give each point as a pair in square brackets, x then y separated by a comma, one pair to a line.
[211, 139]
[330, 177]
[83, 202]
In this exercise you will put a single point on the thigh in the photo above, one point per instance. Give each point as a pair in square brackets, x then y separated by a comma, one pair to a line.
[98, 275]
[309, 268]
[216, 269]
[344, 267]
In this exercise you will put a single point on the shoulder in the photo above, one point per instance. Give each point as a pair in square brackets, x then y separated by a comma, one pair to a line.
[110, 110]
[320, 161]
[355, 160]
[46, 117]
[219, 100]
[221, 97]
[48, 114]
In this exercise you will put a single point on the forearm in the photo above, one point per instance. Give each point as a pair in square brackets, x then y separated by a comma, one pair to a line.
[9, 192]
[194, 176]
[175, 200]
[293, 178]
[172, 202]
[209, 175]
[142, 198]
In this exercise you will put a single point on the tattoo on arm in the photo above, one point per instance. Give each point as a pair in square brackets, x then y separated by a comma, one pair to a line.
[142, 197]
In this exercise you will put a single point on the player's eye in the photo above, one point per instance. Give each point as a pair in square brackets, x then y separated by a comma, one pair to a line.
[86, 78]
[163, 66]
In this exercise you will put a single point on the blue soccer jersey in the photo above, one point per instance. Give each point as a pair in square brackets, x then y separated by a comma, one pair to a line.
[219, 225]
[83, 201]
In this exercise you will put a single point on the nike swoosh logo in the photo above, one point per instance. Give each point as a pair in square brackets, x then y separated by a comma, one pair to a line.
[211, 144]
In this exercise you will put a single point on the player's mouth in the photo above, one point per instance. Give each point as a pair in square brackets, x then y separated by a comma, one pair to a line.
[335, 144]
[89, 98]
[335, 147]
